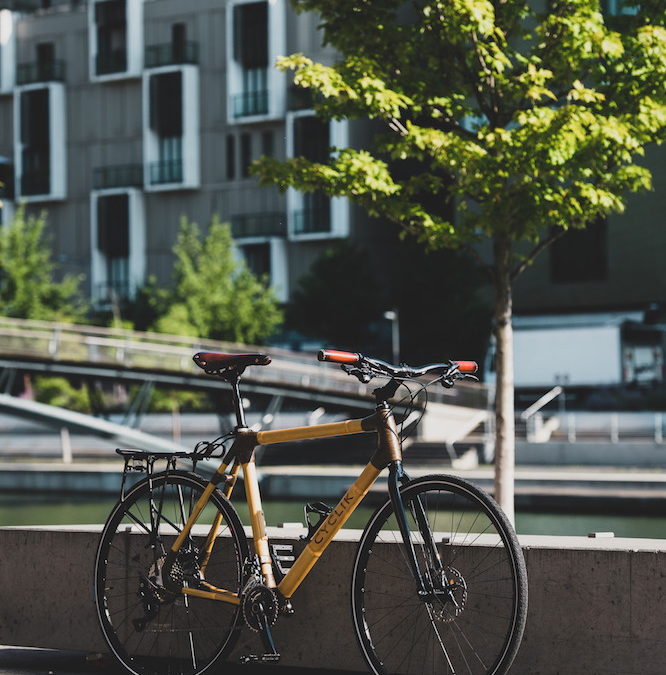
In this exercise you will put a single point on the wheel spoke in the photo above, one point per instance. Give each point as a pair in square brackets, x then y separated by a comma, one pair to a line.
[150, 627]
[472, 619]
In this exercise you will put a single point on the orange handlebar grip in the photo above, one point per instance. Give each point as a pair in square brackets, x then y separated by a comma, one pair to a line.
[338, 357]
[467, 366]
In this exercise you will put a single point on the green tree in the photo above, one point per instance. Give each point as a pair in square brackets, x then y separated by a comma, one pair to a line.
[338, 298]
[533, 123]
[28, 288]
[215, 295]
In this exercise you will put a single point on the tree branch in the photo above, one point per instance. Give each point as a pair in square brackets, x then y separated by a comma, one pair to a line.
[486, 267]
[543, 244]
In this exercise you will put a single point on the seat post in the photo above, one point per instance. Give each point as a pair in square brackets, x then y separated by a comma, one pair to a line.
[238, 401]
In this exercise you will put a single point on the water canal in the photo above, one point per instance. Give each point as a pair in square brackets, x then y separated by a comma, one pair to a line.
[25, 510]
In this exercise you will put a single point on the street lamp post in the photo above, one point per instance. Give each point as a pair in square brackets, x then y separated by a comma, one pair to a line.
[392, 316]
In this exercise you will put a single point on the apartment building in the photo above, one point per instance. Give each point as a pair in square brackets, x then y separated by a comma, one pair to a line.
[117, 117]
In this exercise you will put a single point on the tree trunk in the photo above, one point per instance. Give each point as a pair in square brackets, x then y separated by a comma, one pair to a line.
[505, 434]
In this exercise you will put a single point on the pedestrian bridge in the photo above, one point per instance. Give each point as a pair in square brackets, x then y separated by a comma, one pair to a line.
[93, 354]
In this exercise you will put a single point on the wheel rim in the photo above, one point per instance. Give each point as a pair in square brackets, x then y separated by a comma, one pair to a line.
[471, 623]
[149, 627]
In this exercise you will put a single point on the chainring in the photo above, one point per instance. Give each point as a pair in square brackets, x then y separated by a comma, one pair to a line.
[259, 600]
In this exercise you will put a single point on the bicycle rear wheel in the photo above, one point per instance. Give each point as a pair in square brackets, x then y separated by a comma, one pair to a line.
[149, 624]
[473, 617]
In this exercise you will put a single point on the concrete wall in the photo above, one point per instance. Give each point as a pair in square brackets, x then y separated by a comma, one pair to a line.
[598, 453]
[596, 605]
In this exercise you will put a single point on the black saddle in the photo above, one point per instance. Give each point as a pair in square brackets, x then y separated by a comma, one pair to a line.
[215, 363]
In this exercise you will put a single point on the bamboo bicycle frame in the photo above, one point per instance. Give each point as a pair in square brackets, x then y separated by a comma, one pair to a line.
[242, 454]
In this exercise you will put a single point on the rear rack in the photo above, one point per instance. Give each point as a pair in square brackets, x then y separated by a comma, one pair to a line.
[143, 461]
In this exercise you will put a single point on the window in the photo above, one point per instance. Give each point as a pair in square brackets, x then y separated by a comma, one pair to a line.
[311, 140]
[171, 127]
[35, 142]
[620, 7]
[258, 259]
[113, 244]
[580, 255]
[245, 154]
[166, 121]
[7, 50]
[39, 146]
[267, 143]
[231, 157]
[45, 60]
[111, 31]
[315, 215]
[178, 41]
[250, 41]
[118, 244]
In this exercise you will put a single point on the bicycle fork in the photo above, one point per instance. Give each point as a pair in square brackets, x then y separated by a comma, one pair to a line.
[397, 476]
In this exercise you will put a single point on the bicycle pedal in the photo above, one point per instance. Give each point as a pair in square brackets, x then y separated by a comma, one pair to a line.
[260, 658]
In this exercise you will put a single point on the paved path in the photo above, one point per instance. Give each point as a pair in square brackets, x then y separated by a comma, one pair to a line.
[24, 661]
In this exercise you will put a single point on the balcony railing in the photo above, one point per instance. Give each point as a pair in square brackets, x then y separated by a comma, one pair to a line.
[311, 221]
[299, 98]
[170, 171]
[251, 103]
[111, 291]
[271, 224]
[172, 54]
[49, 71]
[121, 175]
[35, 183]
[107, 63]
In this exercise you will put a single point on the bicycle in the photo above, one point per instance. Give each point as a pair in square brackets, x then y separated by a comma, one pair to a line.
[176, 579]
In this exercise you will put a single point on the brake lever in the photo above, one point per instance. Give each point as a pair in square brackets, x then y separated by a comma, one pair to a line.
[361, 375]
[450, 378]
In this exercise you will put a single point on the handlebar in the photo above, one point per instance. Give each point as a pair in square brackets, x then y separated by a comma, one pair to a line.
[336, 356]
[364, 367]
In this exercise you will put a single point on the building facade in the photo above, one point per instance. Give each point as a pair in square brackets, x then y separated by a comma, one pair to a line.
[119, 117]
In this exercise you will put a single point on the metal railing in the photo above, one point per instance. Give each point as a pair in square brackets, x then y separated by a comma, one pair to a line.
[120, 175]
[160, 352]
[48, 71]
[311, 221]
[171, 53]
[251, 103]
[272, 224]
[168, 171]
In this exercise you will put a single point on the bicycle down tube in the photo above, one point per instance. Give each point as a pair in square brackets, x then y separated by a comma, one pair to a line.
[242, 453]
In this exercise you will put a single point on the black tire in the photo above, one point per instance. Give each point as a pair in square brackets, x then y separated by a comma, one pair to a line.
[149, 628]
[480, 567]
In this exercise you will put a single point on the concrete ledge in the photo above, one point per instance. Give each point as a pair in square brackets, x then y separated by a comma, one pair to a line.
[596, 605]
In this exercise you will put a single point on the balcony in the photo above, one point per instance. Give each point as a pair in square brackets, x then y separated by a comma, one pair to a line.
[111, 62]
[170, 54]
[250, 225]
[49, 71]
[170, 171]
[35, 183]
[118, 176]
[251, 103]
[312, 221]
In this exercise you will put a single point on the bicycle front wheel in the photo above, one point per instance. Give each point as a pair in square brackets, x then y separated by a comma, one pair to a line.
[150, 625]
[472, 617]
